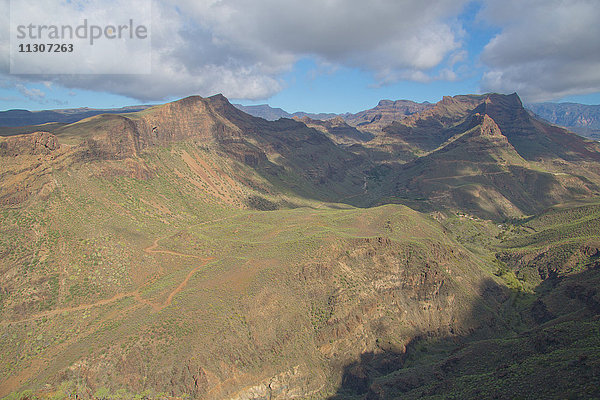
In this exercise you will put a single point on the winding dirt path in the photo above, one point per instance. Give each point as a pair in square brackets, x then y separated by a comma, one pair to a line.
[81, 307]
[16, 381]
[136, 294]
[152, 249]
[183, 284]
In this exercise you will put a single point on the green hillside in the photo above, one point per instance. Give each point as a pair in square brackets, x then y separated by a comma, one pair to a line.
[190, 250]
[548, 342]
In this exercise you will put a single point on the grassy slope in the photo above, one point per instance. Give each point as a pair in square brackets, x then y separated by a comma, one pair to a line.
[171, 273]
[550, 349]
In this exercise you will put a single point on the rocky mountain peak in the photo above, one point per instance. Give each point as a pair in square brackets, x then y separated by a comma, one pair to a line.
[487, 124]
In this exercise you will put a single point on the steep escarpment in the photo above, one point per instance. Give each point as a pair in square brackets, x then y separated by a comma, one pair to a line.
[552, 345]
[285, 153]
[385, 113]
[534, 139]
[487, 155]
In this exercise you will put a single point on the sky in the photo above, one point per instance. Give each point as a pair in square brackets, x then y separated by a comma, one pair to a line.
[328, 55]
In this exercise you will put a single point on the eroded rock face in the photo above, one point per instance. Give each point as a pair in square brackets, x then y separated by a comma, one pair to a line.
[385, 113]
[206, 120]
[488, 125]
[296, 383]
[29, 144]
[117, 140]
[25, 166]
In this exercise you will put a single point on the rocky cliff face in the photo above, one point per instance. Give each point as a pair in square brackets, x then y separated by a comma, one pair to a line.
[338, 130]
[37, 143]
[385, 113]
[487, 126]
[25, 166]
[534, 139]
[483, 147]
[119, 137]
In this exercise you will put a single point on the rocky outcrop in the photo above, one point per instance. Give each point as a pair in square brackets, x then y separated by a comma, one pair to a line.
[488, 126]
[29, 144]
[386, 112]
[338, 130]
[25, 166]
[296, 383]
[115, 138]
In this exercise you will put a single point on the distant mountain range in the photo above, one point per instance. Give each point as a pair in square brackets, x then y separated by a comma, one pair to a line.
[581, 118]
[66, 116]
[386, 112]
[377, 117]
[273, 114]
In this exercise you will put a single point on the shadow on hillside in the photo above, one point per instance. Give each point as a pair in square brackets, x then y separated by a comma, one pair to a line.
[524, 350]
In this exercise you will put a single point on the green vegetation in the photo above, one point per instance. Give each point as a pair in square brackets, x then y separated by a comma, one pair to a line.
[192, 251]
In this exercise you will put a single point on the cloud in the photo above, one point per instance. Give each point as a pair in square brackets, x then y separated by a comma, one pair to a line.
[547, 49]
[241, 48]
[32, 94]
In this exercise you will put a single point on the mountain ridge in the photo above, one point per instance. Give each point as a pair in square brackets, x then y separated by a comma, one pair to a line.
[19, 118]
[191, 250]
[272, 114]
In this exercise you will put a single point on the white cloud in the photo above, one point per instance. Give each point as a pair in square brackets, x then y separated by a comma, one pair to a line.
[547, 49]
[31, 93]
[240, 48]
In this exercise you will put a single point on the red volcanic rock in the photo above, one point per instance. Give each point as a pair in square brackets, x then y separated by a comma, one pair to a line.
[29, 144]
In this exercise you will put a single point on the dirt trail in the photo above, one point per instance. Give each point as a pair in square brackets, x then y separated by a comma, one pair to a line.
[152, 249]
[136, 294]
[16, 381]
[81, 307]
[463, 176]
[183, 284]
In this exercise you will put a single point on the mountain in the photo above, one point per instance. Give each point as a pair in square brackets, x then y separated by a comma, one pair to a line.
[485, 154]
[190, 250]
[532, 138]
[338, 130]
[385, 113]
[272, 114]
[264, 111]
[304, 160]
[569, 115]
[550, 263]
[19, 118]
